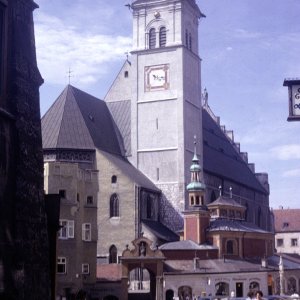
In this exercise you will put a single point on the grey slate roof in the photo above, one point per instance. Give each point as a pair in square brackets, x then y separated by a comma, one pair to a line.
[121, 112]
[222, 200]
[128, 169]
[160, 230]
[221, 158]
[228, 265]
[78, 120]
[185, 245]
[233, 225]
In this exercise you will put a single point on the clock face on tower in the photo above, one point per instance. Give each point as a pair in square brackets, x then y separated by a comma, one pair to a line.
[157, 78]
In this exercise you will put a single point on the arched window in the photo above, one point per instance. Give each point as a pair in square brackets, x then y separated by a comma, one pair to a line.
[114, 205]
[126, 74]
[197, 200]
[222, 289]
[169, 295]
[152, 38]
[229, 247]
[185, 292]
[162, 37]
[192, 200]
[114, 179]
[113, 254]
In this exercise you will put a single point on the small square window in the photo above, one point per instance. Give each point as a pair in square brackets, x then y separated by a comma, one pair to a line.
[279, 242]
[89, 200]
[285, 225]
[85, 269]
[294, 242]
[62, 194]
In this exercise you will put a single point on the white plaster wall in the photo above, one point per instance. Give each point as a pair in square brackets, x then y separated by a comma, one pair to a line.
[287, 247]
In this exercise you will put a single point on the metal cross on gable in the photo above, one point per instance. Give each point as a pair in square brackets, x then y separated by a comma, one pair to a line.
[69, 74]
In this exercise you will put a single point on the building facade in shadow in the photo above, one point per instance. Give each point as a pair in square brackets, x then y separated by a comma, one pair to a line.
[24, 255]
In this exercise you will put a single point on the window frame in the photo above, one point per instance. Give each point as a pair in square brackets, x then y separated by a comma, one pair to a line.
[279, 244]
[83, 270]
[113, 255]
[86, 233]
[69, 227]
[88, 198]
[152, 38]
[114, 206]
[294, 242]
[61, 261]
[162, 36]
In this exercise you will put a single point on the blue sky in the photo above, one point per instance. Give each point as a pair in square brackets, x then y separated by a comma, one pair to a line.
[247, 48]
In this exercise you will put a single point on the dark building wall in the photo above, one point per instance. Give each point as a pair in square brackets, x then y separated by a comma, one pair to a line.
[24, 258]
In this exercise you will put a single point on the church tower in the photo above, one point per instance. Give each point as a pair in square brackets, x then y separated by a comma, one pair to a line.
[196, 217]
[166, 97]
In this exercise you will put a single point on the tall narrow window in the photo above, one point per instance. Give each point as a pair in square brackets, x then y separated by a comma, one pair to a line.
[86, 232]
[229, 247]
[149, 207]
[186, 38]
[114, 205]
[113, 255]
[162, 37]
[85, 268]
[190, 41]
[114, 179]
[152, 38]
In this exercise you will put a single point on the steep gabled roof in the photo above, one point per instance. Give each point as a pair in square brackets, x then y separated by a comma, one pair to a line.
[221, 158]
[133, 173]
[78, 120]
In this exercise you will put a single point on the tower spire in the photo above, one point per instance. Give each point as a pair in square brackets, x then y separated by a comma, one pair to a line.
[196, 188]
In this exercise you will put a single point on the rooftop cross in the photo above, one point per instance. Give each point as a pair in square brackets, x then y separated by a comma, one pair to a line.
[69, 74]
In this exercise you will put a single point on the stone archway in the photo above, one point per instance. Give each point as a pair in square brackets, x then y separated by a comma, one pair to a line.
[143, 257]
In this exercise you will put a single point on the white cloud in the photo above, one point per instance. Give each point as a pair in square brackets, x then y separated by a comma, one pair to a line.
[60, 46]
[286, 152]
[291, 173]
[245, 34]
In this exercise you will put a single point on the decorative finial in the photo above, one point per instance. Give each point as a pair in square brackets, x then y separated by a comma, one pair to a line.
[69, 74]
[127, 54]
[220, 190]
[205, 97]
[230, 192]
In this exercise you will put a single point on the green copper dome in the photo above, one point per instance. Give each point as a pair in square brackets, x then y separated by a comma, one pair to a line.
[196, 186]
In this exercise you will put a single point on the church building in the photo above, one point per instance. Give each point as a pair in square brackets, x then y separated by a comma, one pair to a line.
[123, 165]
